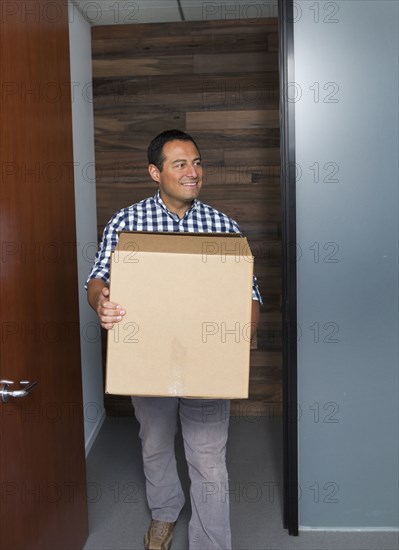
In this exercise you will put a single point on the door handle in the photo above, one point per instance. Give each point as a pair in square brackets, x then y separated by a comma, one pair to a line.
[25, 389]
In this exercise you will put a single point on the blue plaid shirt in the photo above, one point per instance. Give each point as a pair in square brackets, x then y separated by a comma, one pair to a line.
[152, 215]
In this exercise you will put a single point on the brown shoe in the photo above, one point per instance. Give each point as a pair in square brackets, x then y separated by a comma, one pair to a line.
[159, 535]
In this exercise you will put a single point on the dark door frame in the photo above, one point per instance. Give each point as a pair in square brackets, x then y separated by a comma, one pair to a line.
[289, 293]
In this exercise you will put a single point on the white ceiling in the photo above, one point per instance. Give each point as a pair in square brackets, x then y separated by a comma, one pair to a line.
[114, 12]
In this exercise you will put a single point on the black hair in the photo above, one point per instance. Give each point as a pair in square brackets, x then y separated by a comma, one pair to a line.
[155, 149]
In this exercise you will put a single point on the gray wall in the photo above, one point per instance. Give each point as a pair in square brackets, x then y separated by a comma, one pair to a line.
[86, 219]
[347, 262]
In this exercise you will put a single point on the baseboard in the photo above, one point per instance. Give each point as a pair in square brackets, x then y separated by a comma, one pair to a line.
[351, 529]
[94, 433]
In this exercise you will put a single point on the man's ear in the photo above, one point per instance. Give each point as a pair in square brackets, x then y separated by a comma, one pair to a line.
[154, 172]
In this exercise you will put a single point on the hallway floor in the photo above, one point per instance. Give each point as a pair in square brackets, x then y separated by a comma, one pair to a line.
[119, 516]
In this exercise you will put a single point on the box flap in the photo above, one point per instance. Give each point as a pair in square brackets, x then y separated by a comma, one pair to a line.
[212, 244]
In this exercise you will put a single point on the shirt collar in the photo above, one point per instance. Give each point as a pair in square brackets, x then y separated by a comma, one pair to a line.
[159, 201]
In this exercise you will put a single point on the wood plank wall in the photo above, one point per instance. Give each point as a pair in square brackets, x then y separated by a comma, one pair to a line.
[217, 80]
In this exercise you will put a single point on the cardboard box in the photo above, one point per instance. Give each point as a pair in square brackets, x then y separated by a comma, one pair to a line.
[186, 331]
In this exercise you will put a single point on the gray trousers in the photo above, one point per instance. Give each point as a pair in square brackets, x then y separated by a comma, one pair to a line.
[204, 428]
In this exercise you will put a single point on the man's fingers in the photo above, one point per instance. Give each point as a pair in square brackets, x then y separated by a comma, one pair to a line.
[107, 326]
[114, 314]
[108, 312]
[110, 316]
[112, 305]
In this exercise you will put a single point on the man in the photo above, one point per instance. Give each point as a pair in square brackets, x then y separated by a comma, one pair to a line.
[175, 166]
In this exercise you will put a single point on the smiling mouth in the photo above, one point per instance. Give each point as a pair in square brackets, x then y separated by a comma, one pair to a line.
[191, 184]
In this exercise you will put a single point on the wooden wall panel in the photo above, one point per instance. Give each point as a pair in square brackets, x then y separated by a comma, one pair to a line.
[214, 120]
[219, 81]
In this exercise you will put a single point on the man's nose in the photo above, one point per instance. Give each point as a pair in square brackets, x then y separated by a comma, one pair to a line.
[192, 170]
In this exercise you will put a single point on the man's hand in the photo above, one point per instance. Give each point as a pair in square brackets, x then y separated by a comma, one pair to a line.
[108, 312]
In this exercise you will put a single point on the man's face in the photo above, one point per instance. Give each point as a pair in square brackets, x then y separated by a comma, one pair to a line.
[180, 180]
